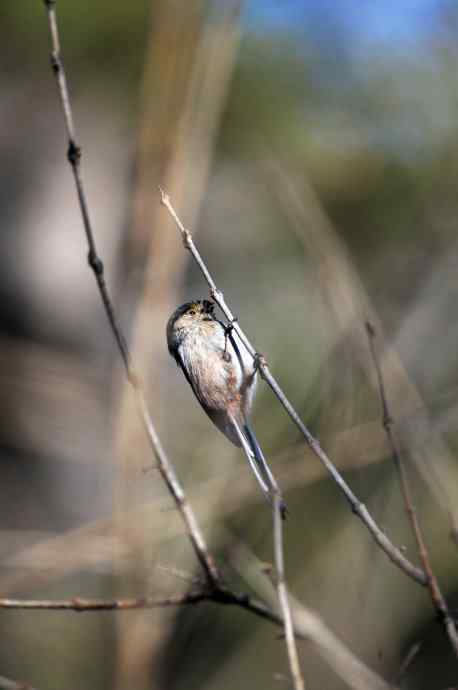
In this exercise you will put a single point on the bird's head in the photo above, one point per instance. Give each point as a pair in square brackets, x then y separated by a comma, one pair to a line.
[186, 317]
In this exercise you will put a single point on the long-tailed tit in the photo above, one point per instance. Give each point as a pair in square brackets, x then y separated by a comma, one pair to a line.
[222, 375]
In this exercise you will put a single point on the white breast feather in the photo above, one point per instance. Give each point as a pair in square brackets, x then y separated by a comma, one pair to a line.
[202, 357]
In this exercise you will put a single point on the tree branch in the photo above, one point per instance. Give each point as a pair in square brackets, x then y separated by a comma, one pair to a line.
[283, 595]
[393, 553]
[219, 595]
[437, 598]
[74, 154]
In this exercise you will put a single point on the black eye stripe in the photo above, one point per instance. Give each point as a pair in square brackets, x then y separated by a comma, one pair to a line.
[208, 306]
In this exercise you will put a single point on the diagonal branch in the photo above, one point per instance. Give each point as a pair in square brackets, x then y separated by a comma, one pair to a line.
[165, 467]
[393, 553]
[219, 595]
[437, 597]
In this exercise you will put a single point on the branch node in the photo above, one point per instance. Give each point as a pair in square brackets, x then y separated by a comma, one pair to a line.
[187, 239]
[134, 378]
[222, 595]
[387, 421]
[95, 262]
[370, 328]
[76, 603]
[260, 362]
[55, 62]
[73, 152]
[356, 508]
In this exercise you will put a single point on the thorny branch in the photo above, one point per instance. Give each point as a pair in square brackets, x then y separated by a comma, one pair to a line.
[395, 555]
[437, 597]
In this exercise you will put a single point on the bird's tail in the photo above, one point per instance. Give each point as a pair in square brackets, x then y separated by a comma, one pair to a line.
[259, 464]
[263, 467]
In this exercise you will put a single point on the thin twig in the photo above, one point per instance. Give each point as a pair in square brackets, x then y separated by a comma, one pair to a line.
[83, 604]
[412, 654]
[219, 595]
[393, 553]
[283, 594]
[437, 598]
[74, 157]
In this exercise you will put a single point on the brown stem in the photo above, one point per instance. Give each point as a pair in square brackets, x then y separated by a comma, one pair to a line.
[437, 598]
[166, 469]
[283, 595]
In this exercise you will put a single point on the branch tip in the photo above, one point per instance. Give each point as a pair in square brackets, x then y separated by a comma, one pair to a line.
[164, 196]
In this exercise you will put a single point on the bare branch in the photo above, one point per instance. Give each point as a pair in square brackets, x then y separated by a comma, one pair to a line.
[164, 465]
[219, 594]
[437, 598]
[393, 553]
[283, 594]
[411, 655]
[83, 604]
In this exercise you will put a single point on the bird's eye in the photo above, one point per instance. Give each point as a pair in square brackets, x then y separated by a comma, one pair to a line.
[192, 312]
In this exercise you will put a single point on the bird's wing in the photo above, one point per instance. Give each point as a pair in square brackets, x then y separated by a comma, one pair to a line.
[218, 417]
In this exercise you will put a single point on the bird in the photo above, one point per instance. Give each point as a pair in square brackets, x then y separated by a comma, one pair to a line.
[222, 375]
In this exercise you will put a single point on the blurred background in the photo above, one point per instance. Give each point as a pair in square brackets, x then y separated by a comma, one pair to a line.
[312, 148]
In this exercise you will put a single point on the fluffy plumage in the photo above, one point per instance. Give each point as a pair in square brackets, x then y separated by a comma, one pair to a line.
[222, 375]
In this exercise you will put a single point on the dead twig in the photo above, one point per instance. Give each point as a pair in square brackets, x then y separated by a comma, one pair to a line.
[283, 595]
[437, 598]
[165, 467]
